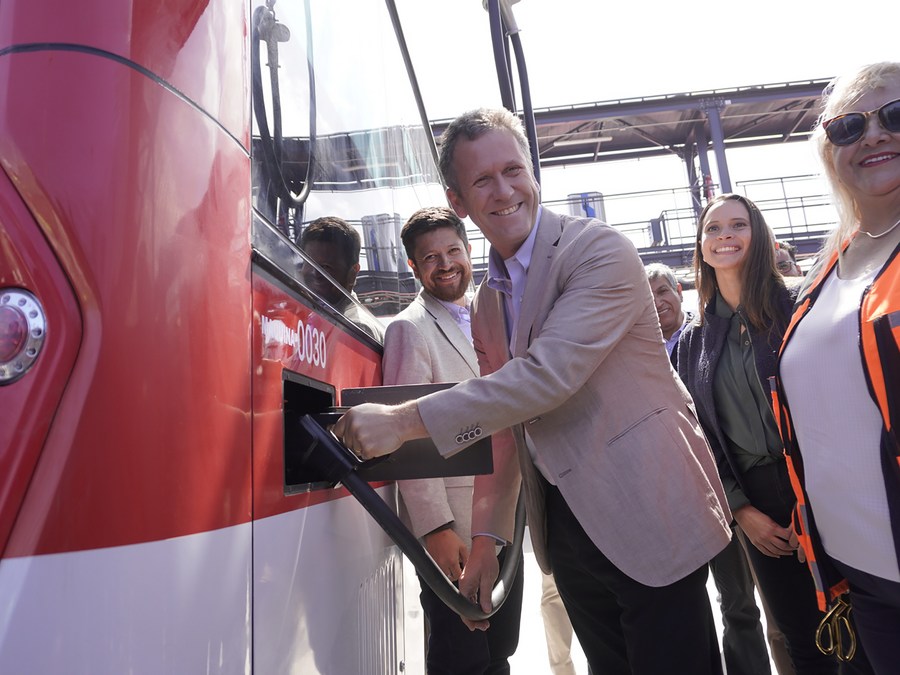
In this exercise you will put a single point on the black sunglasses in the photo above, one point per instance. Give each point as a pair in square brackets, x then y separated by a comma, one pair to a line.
[848, 128]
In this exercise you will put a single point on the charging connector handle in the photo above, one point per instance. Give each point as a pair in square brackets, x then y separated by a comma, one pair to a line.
[340, 464]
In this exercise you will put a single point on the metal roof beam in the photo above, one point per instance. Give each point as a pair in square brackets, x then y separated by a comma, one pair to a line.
[607, 109]
[590, 158]
[798, 119]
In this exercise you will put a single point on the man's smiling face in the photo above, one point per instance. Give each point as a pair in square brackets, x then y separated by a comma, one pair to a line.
[668, 305]
[497, 189]
[442, 264]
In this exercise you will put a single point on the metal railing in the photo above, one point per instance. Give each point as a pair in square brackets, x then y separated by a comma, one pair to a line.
[662, 224]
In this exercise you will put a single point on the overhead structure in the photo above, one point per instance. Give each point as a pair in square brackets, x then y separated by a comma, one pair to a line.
[687, 125]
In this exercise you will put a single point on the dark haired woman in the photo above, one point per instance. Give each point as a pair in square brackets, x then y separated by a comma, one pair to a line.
[727, 360]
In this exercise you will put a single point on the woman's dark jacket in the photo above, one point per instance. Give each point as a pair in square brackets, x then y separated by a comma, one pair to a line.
[699, 349]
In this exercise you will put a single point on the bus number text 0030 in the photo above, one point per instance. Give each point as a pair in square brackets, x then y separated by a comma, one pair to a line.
[308, 341]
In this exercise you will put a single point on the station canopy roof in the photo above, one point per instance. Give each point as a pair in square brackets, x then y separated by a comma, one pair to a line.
[671, 123]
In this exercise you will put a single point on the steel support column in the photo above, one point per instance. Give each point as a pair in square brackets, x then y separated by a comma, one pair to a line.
[695, 182]
[711, 108]
[703, 158]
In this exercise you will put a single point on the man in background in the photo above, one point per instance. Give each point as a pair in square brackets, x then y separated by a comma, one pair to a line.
[557, 628]
[667, 296]
[334, 245]
[431, 341]
[786, 259]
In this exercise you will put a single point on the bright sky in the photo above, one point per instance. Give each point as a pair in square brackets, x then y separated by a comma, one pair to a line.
[580, 51]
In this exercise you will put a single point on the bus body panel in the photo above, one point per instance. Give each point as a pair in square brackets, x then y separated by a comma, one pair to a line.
[198, 47]
[145, 203]
[149, 525]
[326, 592]
[291, 337]
[26, 261]
[327, 586]
[179, 605]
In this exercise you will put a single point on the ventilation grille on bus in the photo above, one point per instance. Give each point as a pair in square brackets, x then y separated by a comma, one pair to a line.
[381, 620]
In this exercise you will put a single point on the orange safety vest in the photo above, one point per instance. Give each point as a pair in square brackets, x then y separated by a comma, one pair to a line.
[879, 329]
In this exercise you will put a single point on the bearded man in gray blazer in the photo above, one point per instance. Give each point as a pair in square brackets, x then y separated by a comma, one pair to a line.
[622, 493]
[430, 341]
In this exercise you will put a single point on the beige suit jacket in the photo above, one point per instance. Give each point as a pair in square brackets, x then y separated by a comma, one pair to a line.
[424, 344]
[603, 407]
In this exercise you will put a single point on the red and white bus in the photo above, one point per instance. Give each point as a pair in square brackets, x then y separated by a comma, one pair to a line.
[158, 163]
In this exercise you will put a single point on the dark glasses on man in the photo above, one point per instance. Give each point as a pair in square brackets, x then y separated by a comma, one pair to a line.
[785, 265]
[848, 128]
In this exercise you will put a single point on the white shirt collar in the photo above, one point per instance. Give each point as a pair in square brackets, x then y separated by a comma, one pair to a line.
[460, 315]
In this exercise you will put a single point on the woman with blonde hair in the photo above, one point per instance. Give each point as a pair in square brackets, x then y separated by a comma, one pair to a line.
[839, 370]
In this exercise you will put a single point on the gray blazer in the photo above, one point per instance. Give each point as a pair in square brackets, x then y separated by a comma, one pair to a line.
[592, 383]
[424, 344]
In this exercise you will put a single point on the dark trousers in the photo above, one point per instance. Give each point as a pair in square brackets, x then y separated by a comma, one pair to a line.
[743, 641]
[785, 581]
[453, 649]
[876, 614]
[624, 627]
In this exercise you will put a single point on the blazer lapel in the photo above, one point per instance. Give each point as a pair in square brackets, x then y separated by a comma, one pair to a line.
[447, 325]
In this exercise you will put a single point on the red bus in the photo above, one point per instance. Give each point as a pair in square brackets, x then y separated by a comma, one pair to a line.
[159, 162]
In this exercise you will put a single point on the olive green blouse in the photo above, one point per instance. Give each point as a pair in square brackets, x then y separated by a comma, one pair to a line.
[744, 411]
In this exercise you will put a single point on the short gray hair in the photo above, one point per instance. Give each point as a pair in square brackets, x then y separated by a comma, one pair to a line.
[658, 270]
[474, 124]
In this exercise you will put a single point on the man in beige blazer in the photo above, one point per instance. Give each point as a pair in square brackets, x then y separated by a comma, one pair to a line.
[622, 492]
[430, 341]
